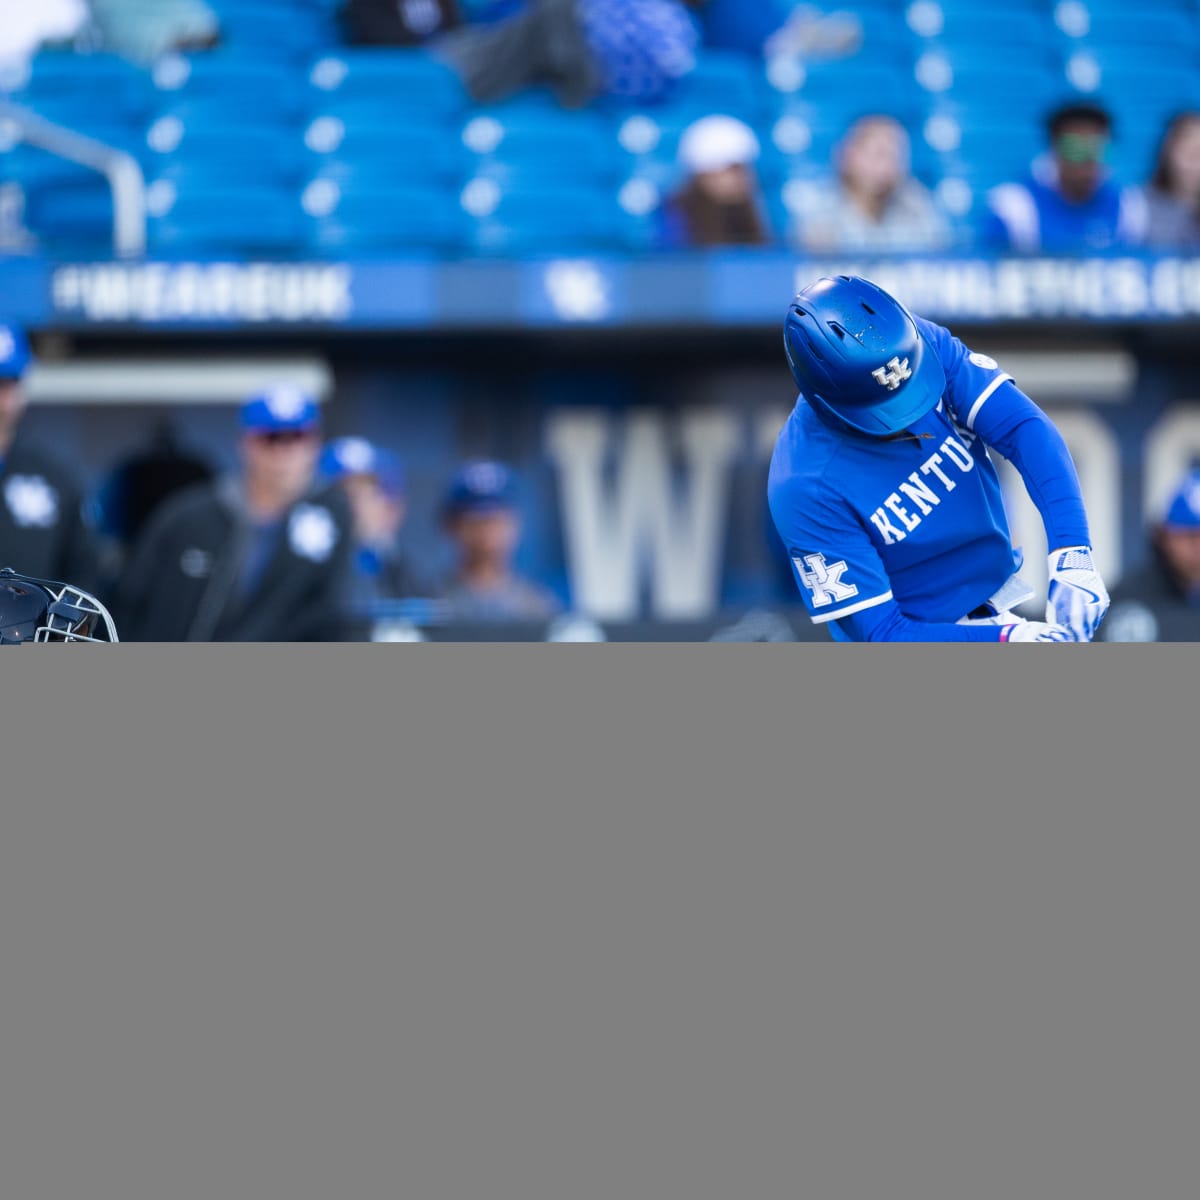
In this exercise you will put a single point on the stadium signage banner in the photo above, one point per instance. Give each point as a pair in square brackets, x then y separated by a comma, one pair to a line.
[725, 288]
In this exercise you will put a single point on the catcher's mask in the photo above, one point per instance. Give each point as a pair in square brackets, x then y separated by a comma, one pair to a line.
[44, 610]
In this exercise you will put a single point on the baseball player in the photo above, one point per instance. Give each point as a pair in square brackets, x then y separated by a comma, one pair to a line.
[883, 491]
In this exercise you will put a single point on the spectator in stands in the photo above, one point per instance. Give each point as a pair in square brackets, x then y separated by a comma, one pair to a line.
[719, 202]
[397, 22]
[630, 50]
[373, 480]
[143, 32]
[1173, 193]
[263, 555]
[1069, 204]
[480, 515]
[46, 525]
[1161, 601]
[872, 202]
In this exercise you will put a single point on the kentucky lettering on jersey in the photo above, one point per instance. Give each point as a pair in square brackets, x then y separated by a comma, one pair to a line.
[918, 518]
[919, 494]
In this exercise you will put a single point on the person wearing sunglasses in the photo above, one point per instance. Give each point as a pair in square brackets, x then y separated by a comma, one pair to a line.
[1069, 204]
[262, 554]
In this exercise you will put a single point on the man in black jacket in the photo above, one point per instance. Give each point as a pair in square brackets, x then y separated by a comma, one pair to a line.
[45, 529]
[261, 556]
[1161, 602]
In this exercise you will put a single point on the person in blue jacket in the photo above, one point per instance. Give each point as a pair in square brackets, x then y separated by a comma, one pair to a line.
[885, 496]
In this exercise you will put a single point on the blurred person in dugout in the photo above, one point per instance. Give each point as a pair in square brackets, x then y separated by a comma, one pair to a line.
[1161, 601]
[719, 201]
[871, 201]
[372, 479]
[1069, 203]
[258, 555]
[46, 522]
[480, 516]
[1173, 192]
[137, 485]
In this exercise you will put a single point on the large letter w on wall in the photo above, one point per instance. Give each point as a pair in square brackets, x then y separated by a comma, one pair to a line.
[631, 525]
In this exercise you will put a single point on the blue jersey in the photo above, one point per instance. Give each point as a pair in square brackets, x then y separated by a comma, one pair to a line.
[917, 522]
[1034, 217]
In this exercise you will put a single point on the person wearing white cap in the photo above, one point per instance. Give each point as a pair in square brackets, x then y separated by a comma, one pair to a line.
[259, 555]
[718, 202]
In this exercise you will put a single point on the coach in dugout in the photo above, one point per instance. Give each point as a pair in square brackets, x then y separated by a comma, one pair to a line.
[45, 531]
[260, 555]
[1160, 602]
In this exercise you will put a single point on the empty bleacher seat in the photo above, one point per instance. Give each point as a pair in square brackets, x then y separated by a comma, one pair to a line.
[570, 147]
[356, 149]
[240, 221]
[548, 219]
[364, 219]
[65, 80]
[221, 81]
[409, 80]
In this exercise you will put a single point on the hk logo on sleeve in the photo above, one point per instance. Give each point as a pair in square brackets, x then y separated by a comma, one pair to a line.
[824, 579]
[893, 373]
[32, 501]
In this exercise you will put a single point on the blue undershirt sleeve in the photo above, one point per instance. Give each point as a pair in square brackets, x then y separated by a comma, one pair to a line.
[1012, 423]
[887, 623]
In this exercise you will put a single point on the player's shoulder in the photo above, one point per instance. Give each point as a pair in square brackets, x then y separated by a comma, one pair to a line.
[805, 452]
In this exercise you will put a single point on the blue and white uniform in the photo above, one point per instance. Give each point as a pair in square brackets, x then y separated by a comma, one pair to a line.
[900, 538]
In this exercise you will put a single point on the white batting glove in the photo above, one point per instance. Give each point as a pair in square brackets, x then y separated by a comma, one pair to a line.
[1036, 631]
[1077, 597]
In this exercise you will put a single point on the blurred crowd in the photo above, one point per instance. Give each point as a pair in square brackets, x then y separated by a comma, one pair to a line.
[301, 542]
[866, 198]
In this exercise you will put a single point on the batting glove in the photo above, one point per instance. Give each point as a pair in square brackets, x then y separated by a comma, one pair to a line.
[1077, 597]
[1036, 631]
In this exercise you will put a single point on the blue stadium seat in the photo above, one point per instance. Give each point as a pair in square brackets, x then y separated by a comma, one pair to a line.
[722, 81]
[1174, 30]
[856, 87]
[973, 27]
[409, 80]
[71, 214]
[63, 78]
[91, 121]
[550, 220]
[287, 30]
[222, 149]
[382, 219]
[573, 147]
[397, 153]
[221, 81]
[245, 221]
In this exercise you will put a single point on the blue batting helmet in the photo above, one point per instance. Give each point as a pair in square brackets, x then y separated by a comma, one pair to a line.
[858, 357]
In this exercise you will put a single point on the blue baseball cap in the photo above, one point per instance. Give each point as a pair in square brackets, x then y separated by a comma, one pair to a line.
[481, 486]
[281, 408]
[1184, 510]
[14, 352]
[357, 456]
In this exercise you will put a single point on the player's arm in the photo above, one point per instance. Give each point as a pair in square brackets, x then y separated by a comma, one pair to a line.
[844, 581]
[989, 403]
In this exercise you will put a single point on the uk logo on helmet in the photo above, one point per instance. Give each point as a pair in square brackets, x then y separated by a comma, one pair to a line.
[893, 373]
